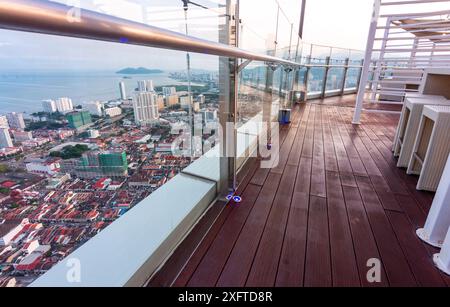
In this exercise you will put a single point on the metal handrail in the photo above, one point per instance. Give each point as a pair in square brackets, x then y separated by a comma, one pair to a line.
[53, 18]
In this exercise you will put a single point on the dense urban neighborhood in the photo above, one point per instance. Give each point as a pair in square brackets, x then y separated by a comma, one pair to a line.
[68, 171]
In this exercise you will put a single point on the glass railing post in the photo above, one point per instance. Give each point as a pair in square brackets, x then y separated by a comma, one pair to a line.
[325, 77]
[267, 103]
[308, 70]
[344, 79]
[228, 83]
[280, 87]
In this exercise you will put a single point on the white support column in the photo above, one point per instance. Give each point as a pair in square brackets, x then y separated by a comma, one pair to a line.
[367, 61]
[412, 61]
[442, 260]
[431, 62]
[438, 221]
[380, 62]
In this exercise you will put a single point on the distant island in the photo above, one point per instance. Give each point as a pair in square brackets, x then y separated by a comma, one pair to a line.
[138, 71]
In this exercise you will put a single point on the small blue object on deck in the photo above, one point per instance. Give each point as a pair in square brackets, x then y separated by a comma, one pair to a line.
[284, 116]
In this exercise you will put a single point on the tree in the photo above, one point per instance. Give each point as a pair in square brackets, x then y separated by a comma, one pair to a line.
[70, 152]
[4, 169]
[4, 191]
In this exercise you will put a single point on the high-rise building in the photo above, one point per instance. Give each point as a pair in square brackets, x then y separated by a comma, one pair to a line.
[145, 86]
[172, 100]
[196, 106]
[49, 106]
[145, 107]
[3, 122]
[5, 138]
[169, 91]
[185, 102]
[15, 120]
[79, 119]
[95, 108]
[123, 91]
[64, 105]
[160, 102]
[201, 99]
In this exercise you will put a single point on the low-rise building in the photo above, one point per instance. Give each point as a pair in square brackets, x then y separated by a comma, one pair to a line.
[31, 262]
[113, 112]
[65, 133]
[9, 229]
[57, 180]
[22, 136]
[47, 167]
[93, 134]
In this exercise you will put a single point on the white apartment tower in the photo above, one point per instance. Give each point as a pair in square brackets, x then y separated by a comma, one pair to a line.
[123, 91]
[169, 91]
[49, 106]
[145, 107]
[3, 122]
[15, 120]
[5, 138]
[145, 86]
[95, 108]
[64, 105]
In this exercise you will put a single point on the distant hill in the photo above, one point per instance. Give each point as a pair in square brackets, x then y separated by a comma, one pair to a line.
[139, 71]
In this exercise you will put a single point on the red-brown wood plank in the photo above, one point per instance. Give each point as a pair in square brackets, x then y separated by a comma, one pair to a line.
[318, 262]
[190, 267]
[239, 263]
[330, 154]
[318, 187]
[343, 261]
[348, 180]
[211, 266]
[307, 149]
[341, 154]
[265, 264]
[385, 194]
[291, 268]
[415, 214]
[397, 268]
[364, 242]
[296, 152]
[166, 276]
[421, 262]
[292, 260]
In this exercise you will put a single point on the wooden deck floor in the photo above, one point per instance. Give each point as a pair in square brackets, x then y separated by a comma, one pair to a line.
[335, 201]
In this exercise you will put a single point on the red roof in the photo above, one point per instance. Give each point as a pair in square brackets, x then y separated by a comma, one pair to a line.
[100, 184]
[8, 184]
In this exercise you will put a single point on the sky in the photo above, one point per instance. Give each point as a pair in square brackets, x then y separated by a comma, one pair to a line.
[342, 23]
